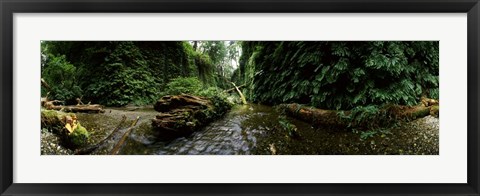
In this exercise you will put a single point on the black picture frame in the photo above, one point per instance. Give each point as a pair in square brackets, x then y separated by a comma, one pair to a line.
[9, 7]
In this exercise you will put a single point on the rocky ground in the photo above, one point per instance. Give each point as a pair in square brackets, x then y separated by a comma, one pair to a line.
[417, 137]
[51, 145]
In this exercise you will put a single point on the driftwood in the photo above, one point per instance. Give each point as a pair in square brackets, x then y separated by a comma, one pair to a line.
[117, 146]
[44, 84]
[320, 117]
[429, 102]
[232, 89]
[44, 101]
[94, 108]
[90, 149]
[244, 101]
[183, 114]
[55, 104]
[168, 103]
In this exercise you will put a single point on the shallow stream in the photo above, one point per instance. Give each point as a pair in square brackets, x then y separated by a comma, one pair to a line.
[253, 129]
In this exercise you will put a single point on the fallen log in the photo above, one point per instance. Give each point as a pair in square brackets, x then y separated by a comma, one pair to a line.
[65, 125]
[184, 114]
[119, 144]
[429, 102]
[94, 108]
[53, 120]
[232, 89]
[435, 111]
[336, 118]
[90, 149]
[44, 101]
[168, 103]
[313, 115]
[44, 84]
[244, 101]
[48, 104]
[58, 105]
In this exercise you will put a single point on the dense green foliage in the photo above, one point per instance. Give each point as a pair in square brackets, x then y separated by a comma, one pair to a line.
[193, 86]
[62, 73]
[126, 72]
[189, 85]
[206, 69]
[340, 75]
[120, 73]
[330, 75]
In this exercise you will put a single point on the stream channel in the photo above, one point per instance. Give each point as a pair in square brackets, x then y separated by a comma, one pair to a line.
[251, 130]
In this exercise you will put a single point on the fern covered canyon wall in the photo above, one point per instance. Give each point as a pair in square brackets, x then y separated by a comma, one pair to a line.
[240, 97]
[121, 73]
[340, 75]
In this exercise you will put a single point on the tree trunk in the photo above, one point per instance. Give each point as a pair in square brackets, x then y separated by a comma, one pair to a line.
[44, 84]
[195, 45]
[90, 149]
[320, 117]
[232, 89]
[184, 114]
[117, 146]
[95, 108]
[244, 101]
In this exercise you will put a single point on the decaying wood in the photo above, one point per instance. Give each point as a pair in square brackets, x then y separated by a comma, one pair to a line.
[80, 107]
[57, 105]
[94, 108]
[320, 117]
[183, 114]
[44, 101]
[429, 102]
[435, 111]
[167, 103]
[313, 115]
[232, 89]
[64, 125]
[79, 101]
[117, 147]
[53, 120]
[44, 84]
[90, 149]
[244, 101]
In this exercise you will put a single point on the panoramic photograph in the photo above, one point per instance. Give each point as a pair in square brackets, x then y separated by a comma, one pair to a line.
[235, 97]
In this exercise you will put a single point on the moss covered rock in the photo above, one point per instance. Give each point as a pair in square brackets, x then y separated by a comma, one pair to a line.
[435, 111]
[79, 136]
[56, 122]
[52, 120]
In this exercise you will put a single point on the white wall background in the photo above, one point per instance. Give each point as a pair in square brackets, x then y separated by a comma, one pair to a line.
[450, 166]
